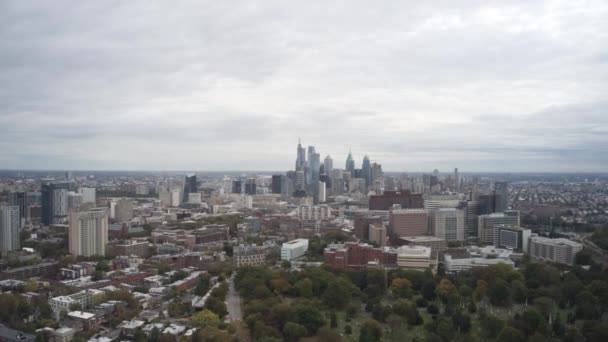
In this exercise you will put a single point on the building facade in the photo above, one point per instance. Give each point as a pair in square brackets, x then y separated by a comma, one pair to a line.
[560, 251]
[10, 223]
[88, 233]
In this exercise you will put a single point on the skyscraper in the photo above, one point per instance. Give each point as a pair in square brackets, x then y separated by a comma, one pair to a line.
[301, 157]
[501, 195]
[350, 164]
[190, 187]
[329, 164]
[277, 182]
[485, 226]
[19, 199]
[89, 232]
[54, 203]
[366, 172]
[88, 195]
[10, 224]
[251, 186]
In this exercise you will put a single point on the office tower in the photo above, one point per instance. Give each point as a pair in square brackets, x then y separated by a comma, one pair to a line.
[315, 168]
[472, 219]
[329, 164]
[561, 251]
[287, 184]
[54, 203]
[390, 183]
[366, 172]
[10, 224]
[237, 186]
[501, 195]
[176, 197]
[301, 157]
[376, 172]
[485, 226]
[68, 175]
[227, 185]
[377, 234]
[350, 164]
[388, 199]
[456, 179]
[33, 198]
[276, 184]
[123, 212]
[512, 237]
[408, 222]
[89, 232]
[322, 192]
[300, 181]
[88, 195]
[250, 186]
[74, 200]
[164, 195]
[19, 199]
[448, 224]
[486, 203]
[190, 186]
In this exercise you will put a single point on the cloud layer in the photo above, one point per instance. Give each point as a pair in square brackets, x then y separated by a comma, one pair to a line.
[226, 85]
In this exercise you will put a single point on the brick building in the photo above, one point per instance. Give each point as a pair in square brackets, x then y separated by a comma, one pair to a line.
[404, 198]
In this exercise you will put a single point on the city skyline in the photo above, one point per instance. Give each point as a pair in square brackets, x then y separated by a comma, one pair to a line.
[499, 86]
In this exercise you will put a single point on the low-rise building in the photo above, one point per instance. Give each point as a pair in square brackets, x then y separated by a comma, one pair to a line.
[436, 244]
[249, 255]
[461, 259]
[294, 249]
[414, 257]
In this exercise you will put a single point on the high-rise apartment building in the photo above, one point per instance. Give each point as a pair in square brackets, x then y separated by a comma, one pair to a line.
[88, 233]
[10, 224]
[322, 192]
[448, 224]
[487, 222]
[123, 212]
[88, 195]
[19, 199]
[74, 200]
[54, 203]
[561, 251]
[377, 234]
[408, 222]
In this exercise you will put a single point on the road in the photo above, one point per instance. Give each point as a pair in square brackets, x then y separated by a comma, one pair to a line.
[233, 303]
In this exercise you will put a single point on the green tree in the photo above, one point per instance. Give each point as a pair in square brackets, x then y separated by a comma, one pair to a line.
[445, 289]
[205, 320]
[309, 316]
[371, 331]
[510, 334]
[499, 293]
[338, 294]
[216, 306]
[294, 331]
[491, 326]
[304, 288]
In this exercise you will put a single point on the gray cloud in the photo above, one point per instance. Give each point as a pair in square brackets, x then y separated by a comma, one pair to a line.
[484, 86]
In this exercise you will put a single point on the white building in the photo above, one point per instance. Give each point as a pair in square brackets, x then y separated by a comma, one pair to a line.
[123, 212]
[176, 197]
[195, 197]
[322, 192]
[561, 251]
[88, 233]
[10, 224]
[294, 249]
[459, 259]
[414, 257]
[84, 298]
[315, 212]
[448, 224]
[88, 195]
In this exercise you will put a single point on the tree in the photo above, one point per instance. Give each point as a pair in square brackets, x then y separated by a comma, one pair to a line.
[401, 287]
[432, 309]
[491, 326]
[481, 290]
[371, 331]
[428, 290]
[206, 320]
[519, 292]
[445, 289]
[304, 288]
[462, 322]
[510, 334]
[338, 294]
[309, 316]
[286, 264]
[31, 285]
[499, 293]
[348, 330]
[333, 318]
[583, 257]
[293, 331]
[216, 306]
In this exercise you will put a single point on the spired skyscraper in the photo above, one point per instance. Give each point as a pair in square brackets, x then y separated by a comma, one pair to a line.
[301, 157]
[350, 164]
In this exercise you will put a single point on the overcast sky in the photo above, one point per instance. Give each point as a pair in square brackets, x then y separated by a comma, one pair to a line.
[223, 85]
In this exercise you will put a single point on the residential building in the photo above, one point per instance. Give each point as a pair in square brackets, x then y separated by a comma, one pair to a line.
[88, 233]
[377, 234]
[54, 203]
[314, 213]
[123, 212]
[559, 251]
[10, 223]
